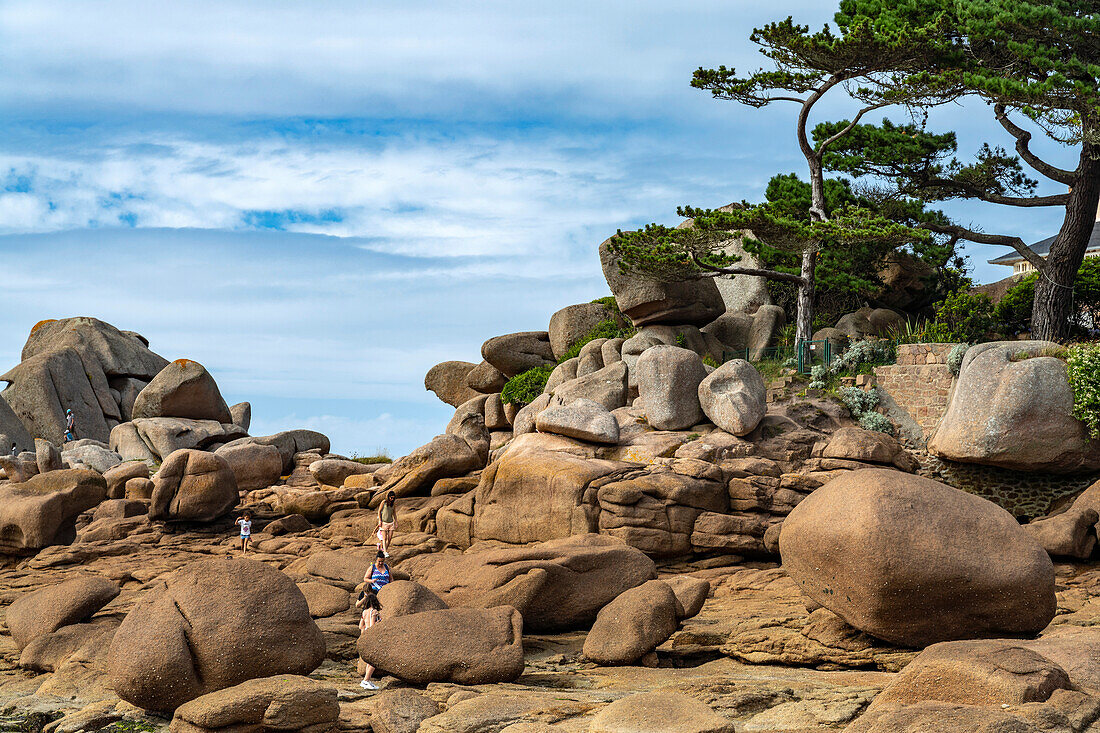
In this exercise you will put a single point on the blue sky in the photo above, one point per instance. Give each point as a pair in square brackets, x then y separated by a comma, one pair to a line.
[319, 201]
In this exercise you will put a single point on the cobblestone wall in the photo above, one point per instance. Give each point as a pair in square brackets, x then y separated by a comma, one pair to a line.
[919, 383]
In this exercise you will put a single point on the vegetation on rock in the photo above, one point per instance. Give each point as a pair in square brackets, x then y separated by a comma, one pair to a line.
[523, 388]
[1083, 365]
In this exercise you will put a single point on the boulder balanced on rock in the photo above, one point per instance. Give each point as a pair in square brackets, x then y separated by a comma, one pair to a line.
[183, 389]
[914, 562]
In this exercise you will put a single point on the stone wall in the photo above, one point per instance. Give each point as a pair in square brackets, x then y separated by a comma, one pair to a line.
[919, 386]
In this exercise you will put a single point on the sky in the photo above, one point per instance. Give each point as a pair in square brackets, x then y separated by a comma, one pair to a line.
[319, 201]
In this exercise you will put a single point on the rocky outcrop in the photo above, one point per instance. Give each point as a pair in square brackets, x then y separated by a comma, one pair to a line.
[1013, 407]
[42, 511]
[555, 585]
[869, 446]
[974, 572]
[202, 630]
[448, 380]
[183, 389]
[607, 386]
[193, 486]
[283, 702]
[76, 363]
[473, 646]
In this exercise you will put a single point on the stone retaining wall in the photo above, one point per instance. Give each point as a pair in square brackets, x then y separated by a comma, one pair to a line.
[919, 384]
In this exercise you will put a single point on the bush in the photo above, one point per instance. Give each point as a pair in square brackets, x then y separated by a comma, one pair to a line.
[862, 406]
[859, 357]
[1083, 364]
[381, 457]
[964, 316]
[522, 389]
[711, 361]
[1013, 313]
[955, 357]
[606, 329]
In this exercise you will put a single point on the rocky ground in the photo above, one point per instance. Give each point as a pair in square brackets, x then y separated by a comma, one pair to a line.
[754, 654]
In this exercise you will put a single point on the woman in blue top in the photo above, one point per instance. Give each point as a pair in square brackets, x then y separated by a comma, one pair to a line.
[378, 574]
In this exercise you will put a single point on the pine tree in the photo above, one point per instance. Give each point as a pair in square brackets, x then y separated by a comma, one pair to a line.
[806, 67]
[1032, 59]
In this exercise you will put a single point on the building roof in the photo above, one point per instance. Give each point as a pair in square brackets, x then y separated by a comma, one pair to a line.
[1043, 248]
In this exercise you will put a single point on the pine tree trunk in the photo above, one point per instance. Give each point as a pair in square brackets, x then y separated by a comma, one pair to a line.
[805, 312]
[1053, 307]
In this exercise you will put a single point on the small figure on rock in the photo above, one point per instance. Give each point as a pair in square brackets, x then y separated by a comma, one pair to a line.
[14, 451]
[386, 519]
[372, 614]
[245, 521]
[378, 574]
[70, 426]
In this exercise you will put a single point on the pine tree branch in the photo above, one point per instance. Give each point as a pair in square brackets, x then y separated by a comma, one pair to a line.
[769, 274]
[850, 126]
[982, 238]
[1059, 199]
[1023, 140]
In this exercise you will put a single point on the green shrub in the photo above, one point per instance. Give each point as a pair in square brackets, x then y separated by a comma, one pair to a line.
[862, 405]
[711, 361]
[966, 316]
[1083, 364]
[955, 357]
[522, 389]
[1013, 313]
[606, 329]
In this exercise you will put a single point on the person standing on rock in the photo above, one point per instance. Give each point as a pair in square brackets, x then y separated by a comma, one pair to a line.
[70, 426]
[372, 614]
[14, 451]
[386, 520]
[378, 574]
[246, 530]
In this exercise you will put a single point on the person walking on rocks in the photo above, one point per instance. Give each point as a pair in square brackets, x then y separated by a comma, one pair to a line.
[378, 574]
[386, 519]
[70, 426]
[372, 614]
[245, 522]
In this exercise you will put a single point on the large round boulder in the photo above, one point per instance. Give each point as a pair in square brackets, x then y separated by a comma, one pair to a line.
[468, 646]
[1012, 407]
[254, 466]
[668, 384]
[664, 710]
[515, 353]
[212, 624]
[646, 300]
[915, 562]
[194, 486]
[633, 625]
[734, 397]
[42, 511]
[47, 610]
[404, 597]
[183, 389]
